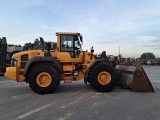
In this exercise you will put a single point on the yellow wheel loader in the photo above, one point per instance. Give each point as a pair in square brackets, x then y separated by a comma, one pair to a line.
[44, 67]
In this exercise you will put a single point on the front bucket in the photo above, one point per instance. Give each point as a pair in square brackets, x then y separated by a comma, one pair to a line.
[134, 78]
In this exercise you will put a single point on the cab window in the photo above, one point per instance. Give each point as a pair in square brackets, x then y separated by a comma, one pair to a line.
[66, 43]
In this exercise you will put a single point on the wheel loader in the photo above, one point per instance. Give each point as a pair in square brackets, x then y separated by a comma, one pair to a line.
[6, 51]
[44, 67]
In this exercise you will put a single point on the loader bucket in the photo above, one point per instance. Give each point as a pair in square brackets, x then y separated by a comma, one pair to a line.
[133, 76]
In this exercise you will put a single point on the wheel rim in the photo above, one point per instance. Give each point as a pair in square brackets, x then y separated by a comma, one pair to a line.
[104, 78]
[44, 79]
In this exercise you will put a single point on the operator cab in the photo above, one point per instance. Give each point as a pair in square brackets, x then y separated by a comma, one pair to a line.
[71, 43]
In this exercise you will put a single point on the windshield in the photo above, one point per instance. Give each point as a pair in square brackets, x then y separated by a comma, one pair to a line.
[71, 44]
[66, 43]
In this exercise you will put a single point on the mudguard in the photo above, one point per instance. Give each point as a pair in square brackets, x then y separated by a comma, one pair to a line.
[45, 58]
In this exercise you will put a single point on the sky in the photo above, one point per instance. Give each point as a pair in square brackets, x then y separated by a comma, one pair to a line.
[131, 27]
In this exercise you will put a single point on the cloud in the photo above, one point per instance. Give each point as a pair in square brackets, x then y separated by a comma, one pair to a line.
[22, 3]
[106, 25]
[153, 46]
[156, 41]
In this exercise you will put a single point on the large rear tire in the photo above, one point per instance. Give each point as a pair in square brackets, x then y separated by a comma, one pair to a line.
[44, 79]
[102, 77]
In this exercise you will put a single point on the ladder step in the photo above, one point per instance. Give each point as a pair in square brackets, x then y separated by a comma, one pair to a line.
[67, 81]
[68, 73]
[68, 77]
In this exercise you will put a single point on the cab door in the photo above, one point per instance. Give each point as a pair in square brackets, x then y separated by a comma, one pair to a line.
[69, 49]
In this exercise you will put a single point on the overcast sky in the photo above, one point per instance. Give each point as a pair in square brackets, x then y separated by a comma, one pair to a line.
[131, 25]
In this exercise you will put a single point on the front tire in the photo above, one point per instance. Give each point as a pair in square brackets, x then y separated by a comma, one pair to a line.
[44, 79]
[102, 77]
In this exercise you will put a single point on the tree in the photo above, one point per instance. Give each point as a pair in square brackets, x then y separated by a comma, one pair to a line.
[158, 60]
[147, 56]
[27, 46]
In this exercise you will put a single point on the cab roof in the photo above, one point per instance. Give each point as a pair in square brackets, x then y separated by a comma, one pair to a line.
[67, 33]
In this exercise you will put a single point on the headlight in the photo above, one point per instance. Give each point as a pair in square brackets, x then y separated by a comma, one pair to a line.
[14, 62]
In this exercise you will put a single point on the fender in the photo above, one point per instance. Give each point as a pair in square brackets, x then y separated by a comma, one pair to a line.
[91, 66]
[45, 58]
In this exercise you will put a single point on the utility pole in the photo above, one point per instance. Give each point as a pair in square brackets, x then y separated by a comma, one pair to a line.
[119, 49]
[120, 53]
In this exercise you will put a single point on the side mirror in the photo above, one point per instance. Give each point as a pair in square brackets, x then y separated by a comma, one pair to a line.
[81, 39]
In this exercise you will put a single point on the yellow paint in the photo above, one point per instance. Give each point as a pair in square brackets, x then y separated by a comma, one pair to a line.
[65, 59]
[104, 78]
[12, 72]
[43, 79]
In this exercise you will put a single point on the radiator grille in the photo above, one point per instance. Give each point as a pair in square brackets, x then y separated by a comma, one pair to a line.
[24, 57]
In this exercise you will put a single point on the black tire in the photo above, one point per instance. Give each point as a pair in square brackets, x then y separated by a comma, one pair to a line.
[93, 77]
[51, 72]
